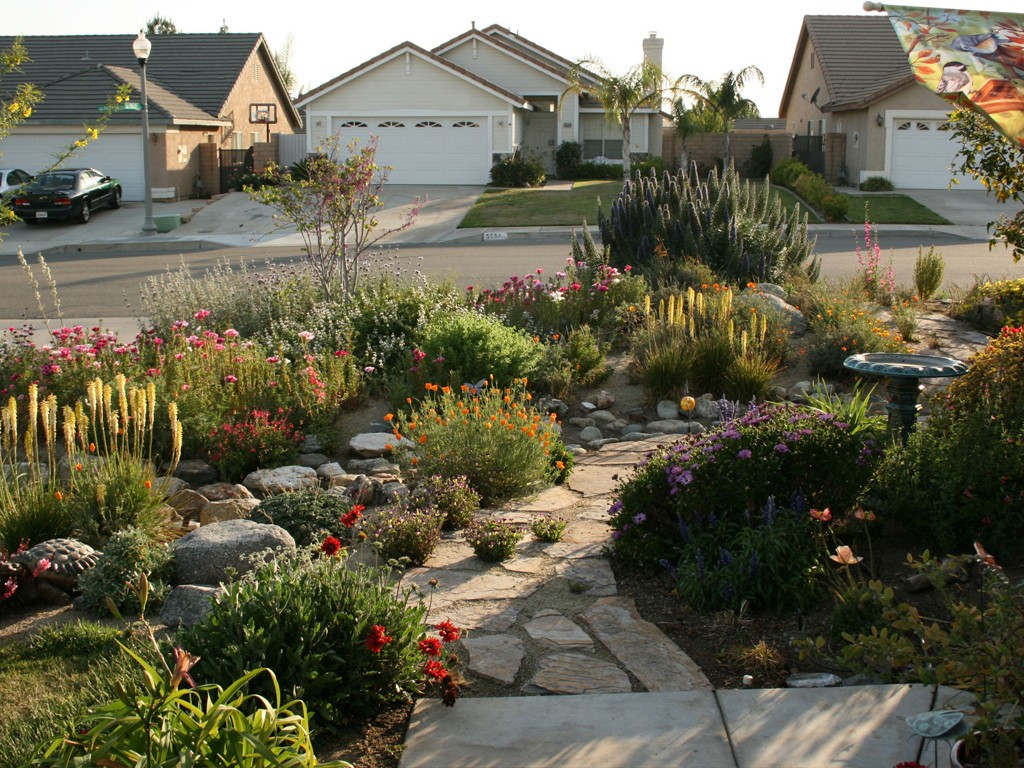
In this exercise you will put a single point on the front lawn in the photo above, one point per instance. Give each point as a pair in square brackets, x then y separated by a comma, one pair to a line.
[890, 209]
[540, 207]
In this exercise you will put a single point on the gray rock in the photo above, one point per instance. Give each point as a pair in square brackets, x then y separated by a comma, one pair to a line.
[669, 426]
[634, 414]
[196, 472]
[587, 407]
[574, 673]
[381, 427]
[588, 434]
[554, 631]
[603, 417]
[581, 421]
[618, 425]
[188, 604]
[205, 555]
[770, 289]
[495, 657]
[169, 486]
[813, 680]
[770, 303]
[632, 428]
[311, 444]
[373, 444]
[596, 445]
[366, 466]
[386, 470]
[706, 408]
[801, 388]
[576, 450]
[394, 491]
[329, 470]
[188, 503]
[592, 576]
[553, 405]
[221, 491]
[668, 409]
[270, 482]
[364, 491]
[228, 509]
[312, 460]
[632, 437]
[341, 481]
[604, 400]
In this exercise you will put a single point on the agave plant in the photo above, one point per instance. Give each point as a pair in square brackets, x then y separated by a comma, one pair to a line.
[739, 230]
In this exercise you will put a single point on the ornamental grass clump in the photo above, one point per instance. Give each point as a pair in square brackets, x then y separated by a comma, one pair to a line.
[494, 436]
[451, 496]
[723, 479]
[321, 643]
[405, 534]
[493, 539]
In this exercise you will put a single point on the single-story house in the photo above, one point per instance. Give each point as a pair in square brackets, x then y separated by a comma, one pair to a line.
[203, 89]
[850, 77]
[444, 116]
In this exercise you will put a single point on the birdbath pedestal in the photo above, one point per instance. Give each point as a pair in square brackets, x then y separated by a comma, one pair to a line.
[903, 373]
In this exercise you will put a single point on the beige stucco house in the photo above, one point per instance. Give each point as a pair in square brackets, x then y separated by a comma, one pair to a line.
[850, 77]
[444, 116]
[201, 90]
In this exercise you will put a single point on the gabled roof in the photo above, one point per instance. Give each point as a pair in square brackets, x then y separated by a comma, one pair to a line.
[422, 53]
[861, 60]
[537, 50]
[200, 70]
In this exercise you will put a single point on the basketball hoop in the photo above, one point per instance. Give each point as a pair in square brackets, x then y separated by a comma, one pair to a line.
[263, 114]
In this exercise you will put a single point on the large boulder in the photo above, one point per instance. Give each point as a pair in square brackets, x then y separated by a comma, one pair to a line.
[221, 491]
[270, 482]
[228, 509]
[204, 556]
[188, 604]
[195, 472]
[370, 445]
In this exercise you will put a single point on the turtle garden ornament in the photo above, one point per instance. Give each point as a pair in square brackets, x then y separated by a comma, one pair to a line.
[47, 571]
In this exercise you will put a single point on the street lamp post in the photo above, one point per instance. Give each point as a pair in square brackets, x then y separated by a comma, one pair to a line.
[142, 47]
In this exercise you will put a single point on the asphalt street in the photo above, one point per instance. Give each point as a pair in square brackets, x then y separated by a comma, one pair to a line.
[106, 283]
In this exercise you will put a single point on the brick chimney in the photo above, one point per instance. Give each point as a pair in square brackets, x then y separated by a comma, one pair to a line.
[653, 47]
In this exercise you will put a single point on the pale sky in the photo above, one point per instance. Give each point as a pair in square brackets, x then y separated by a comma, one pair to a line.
[705, 38]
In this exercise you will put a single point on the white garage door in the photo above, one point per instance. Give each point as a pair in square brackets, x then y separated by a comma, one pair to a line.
[922, 155]
[424, 150]
[115, 154]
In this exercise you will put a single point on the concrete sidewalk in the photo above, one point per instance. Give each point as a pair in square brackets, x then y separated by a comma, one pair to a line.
[856, 727]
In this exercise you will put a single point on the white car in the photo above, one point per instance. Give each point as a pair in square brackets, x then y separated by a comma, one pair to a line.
[11, 179]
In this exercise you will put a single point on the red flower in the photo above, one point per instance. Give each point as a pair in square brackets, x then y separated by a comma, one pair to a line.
[431, 646]
[349, 518]
[331, 546]
[436, 670]
[822, 515]
[377, 638]
[448, 631]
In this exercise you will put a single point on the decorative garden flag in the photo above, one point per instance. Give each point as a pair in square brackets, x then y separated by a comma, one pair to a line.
[972, 58]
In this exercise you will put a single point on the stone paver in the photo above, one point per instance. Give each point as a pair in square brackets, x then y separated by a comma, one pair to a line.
[523, 564]
[481, 615]
[549, 500]
[454, 586]
[645, 650]
[572, 550]
[628, 730]
[574, 673]
[495, 657]
[593, 575]
[550, 629]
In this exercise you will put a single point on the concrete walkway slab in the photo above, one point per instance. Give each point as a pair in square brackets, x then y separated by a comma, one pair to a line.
[857, 727]
[629, 730]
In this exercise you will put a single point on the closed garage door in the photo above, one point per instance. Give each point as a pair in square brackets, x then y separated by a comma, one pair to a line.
[424, 150]
[923, 155]
[115, 154]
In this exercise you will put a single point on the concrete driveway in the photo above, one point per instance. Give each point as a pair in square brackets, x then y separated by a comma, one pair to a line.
[236, 220]
[964, 207]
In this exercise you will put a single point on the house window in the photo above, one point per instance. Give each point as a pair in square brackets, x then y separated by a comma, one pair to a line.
[391, 124]
[354, 124]
[428, 124]
[254, 138]
[238, 140]
[903, 126]
[607, 148]
[465, 124]
[923, 127]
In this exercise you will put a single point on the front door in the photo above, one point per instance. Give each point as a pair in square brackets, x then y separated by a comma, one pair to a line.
[540, 130]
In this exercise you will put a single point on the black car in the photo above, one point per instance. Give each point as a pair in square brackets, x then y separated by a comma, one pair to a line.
[66, 194]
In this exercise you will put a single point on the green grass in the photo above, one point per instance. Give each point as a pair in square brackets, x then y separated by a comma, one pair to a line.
[45, 681]
[891, 209]
[540, 208]
[790, 201]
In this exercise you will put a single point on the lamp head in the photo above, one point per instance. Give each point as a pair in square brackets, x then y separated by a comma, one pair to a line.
[141, 46]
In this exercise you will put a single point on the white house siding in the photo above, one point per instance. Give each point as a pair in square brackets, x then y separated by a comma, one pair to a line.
[499, 67]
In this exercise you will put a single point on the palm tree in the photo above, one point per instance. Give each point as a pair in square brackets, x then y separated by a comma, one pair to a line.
[723, 98]
[621, 95]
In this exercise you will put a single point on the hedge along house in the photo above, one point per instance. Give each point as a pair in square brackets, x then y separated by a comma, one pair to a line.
[851, 91]
[201, 90]
[445, 116]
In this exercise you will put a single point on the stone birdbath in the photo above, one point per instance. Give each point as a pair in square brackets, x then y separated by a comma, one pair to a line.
[903, 373]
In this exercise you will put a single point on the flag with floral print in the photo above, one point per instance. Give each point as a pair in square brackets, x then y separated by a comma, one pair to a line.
[972, 58]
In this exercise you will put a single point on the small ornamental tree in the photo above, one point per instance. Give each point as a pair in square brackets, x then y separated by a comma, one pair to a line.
[334, 207]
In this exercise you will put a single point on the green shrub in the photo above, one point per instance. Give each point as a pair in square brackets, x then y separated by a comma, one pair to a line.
[568, 157]
[787, 171]
[591, 170]
[517, 172]
[994, 384]
[813, 188]
[573, 361]
[762, 559]
[251, 441]
[548, 529]
[991, 305]
[475, 346]
[126, 555]
[741, 231]
[495, 437]
[876, 184]
[718, 478]
[761, 157]
[648, 165]
[113, 494]
[411, 534]
[451, 496]
[318, 644]
[928, 270]
[493, 539]
[833, 207]
[307, 515]
[166, 725]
